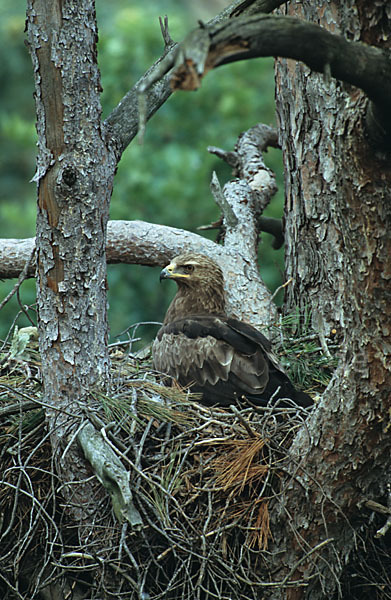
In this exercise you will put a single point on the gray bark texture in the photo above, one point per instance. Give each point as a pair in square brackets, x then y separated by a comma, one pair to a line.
[75, 169]
[138, 242]
[338, 254]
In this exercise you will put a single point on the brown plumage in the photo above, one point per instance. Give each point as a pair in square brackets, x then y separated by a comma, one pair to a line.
[222, 358]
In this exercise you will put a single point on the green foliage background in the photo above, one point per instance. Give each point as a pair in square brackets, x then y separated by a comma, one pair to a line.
[164, 181]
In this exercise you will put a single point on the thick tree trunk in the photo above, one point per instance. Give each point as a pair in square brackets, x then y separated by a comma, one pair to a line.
[75, 171]
[338, 255]
[335, 181]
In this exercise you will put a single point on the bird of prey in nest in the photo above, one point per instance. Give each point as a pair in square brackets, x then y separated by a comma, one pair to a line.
[220, 357]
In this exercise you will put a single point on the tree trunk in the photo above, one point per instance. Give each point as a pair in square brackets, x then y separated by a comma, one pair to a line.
[75, 171]
[338, 255]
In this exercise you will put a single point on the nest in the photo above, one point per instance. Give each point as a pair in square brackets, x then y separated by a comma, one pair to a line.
[202, 481]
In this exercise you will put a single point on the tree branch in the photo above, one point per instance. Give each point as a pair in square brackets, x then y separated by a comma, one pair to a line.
[123, 122]
[242, 201]
[111, 473]
[138, 242]
[367, 67]
[244, 198]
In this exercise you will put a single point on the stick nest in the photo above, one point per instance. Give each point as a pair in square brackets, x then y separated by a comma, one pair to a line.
[202, 480]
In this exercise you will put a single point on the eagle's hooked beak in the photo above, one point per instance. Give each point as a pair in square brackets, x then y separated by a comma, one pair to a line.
[172, 272]
[165, 273]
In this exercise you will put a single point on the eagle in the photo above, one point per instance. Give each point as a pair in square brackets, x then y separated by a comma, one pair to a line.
[222, 358]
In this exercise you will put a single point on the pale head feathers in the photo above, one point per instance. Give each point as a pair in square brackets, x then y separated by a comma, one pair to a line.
[200, 286]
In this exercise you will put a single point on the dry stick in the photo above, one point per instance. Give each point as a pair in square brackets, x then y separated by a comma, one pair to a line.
[39, 402]
[21, 278]
[24, 308]
[148, 479]
[12, 409]
[243, 421]
[303, 558]
[281, 287]
[379, 508]
[229, 215]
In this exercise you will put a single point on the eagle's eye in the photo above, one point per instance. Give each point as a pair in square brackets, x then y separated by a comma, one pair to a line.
[188, 268]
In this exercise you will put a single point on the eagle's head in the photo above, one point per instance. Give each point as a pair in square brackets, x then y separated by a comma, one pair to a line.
[200, 283]
[193, 270]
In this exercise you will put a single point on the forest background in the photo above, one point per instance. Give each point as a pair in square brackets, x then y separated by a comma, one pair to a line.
[166, 180]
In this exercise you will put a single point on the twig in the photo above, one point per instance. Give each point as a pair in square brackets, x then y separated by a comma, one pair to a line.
[12, 409]
[379, 508]
[168, 41]
[304, 558]
[24, 308]
[243, 421]
[383, 530]
[384, 510]
[231, 158]
[229, 215]
[281, 287]
[39, 402]
[21, 278]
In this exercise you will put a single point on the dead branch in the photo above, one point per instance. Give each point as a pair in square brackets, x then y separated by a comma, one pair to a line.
[138, 242]
[111, 473]
[242, 202]
[123, 122]
[260, 35]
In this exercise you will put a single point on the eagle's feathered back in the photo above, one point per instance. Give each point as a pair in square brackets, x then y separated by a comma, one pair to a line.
[222, 358]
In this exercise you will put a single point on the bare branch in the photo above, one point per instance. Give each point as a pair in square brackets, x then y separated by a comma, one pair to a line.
[229, 215]
[229, 157]
[168, 41]
[242, 201]
[138, 242]
[110, 472]
[123, 122]
[29, 265]
[260, 35]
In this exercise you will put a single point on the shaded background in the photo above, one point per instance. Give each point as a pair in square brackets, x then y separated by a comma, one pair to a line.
[164, 181]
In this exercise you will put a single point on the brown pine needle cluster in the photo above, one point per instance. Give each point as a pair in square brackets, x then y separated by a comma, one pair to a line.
[240, 464]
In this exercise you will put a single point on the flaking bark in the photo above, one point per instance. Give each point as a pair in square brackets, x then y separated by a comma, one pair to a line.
[338, 251]
[75, 170]
[336, 223]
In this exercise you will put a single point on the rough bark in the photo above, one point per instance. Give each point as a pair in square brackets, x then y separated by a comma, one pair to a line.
[75, 170]
[338, 254]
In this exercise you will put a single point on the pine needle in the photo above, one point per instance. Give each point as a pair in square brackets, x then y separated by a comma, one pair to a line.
[240, 465]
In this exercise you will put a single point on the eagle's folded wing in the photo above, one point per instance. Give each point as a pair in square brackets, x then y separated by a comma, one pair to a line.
[208, 352]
